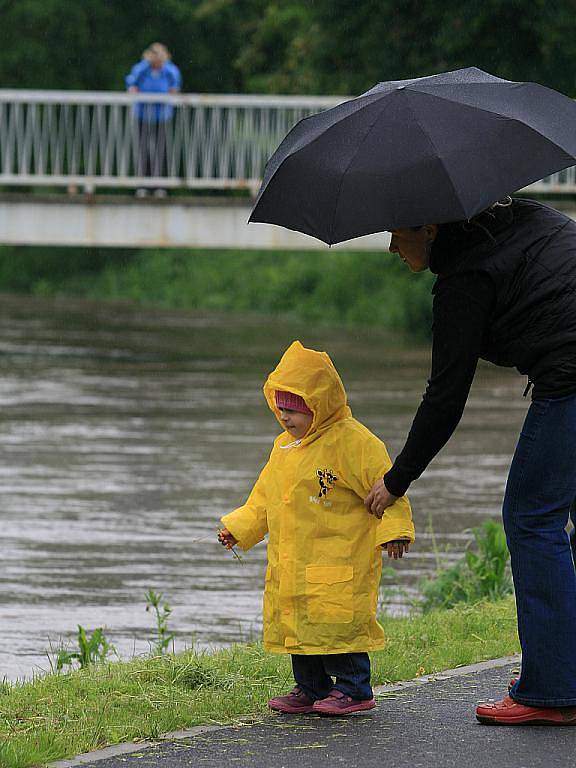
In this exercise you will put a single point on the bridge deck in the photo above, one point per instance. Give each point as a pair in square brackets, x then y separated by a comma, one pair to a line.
[129, 222]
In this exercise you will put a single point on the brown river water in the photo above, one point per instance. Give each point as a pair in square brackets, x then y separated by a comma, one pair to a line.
[127, 432]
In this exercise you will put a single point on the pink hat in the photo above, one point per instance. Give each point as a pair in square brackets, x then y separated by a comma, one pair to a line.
[291, 401]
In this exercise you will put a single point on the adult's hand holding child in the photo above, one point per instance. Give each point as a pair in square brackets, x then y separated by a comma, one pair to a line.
[379, 498]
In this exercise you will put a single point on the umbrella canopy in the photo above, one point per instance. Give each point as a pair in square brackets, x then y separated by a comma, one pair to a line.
[411, 152]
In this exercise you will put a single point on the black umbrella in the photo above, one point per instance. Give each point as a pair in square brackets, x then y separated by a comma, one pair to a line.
[410, 152]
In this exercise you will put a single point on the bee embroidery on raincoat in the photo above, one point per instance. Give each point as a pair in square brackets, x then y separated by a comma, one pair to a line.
[326, 478]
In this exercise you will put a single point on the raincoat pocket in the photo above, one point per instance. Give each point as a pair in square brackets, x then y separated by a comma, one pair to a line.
[330, 594]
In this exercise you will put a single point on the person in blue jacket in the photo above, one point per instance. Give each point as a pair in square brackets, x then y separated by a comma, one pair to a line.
[156, 73]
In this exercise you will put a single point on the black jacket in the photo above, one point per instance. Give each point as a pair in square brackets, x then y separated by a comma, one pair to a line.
[505, 292]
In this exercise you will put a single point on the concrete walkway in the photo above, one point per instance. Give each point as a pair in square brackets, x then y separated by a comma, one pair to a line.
[421, 724]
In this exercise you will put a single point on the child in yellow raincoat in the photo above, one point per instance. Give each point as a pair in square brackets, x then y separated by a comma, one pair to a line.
[324, 548]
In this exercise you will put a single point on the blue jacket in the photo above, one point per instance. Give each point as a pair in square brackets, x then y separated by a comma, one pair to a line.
[149, 80]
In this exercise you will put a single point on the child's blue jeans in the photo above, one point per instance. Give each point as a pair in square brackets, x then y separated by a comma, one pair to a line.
[313, 674]
[539, 499]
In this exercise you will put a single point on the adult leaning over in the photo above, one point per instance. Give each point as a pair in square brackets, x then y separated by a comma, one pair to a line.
[506, 292]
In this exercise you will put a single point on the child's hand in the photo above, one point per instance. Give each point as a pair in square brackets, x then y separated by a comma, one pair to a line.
[226, 539]
[397, 548]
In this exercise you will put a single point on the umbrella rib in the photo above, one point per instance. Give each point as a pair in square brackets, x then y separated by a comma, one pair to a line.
[368, 132]
[440, 159]
[491, 112]
[293, 152]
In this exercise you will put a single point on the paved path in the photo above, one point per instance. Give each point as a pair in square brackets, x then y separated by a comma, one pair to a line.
[420, 726]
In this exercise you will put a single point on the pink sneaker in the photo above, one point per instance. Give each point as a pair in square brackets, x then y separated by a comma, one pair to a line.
[337, 703]
[294, 703]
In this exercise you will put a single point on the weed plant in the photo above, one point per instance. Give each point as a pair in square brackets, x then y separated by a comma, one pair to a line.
[162, 613]
[91, 650]
[482, 574]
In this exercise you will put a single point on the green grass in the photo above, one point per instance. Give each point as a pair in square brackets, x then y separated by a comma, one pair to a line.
[58, 716]
[327, 287]
[483, 572]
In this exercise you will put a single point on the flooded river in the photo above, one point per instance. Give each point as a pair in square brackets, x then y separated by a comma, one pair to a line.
[126, 433]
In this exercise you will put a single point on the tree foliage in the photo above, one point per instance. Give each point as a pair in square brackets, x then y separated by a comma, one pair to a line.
[349, 45]
[93, 43]
[285, 46]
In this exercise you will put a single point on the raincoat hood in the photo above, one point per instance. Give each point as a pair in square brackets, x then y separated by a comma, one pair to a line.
[312, 376]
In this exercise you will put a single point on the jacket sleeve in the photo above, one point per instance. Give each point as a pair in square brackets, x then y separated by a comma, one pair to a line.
[462, 309]
[175, 77]
[396, 522]
[374, 462]
[135, 73]
[249, 523]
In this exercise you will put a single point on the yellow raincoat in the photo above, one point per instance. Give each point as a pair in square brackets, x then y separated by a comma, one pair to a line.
[324, 560]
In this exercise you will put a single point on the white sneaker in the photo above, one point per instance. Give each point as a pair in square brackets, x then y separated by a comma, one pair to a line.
[160, 193]
[141, 192]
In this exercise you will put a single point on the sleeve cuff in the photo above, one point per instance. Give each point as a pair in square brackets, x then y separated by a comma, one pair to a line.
[388, 533]
[241, 529]
[396, 481]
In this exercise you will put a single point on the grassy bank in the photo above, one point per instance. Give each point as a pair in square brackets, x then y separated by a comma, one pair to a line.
[326, 287]
[62, 715]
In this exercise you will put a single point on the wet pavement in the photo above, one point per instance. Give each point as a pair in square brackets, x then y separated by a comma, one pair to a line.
[425, 725]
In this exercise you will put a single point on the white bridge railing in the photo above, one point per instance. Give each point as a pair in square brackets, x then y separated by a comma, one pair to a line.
[115, 140]
[53, 138]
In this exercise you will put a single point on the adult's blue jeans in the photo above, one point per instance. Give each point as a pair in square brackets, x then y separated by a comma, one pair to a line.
[538, 502]
[313, 674]
[573, 531]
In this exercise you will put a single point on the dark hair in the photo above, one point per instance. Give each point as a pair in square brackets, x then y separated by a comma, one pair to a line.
[480, 221]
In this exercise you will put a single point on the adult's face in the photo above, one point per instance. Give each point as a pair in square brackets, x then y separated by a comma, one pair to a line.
[156, 61]
[413, 245]
[158, 56]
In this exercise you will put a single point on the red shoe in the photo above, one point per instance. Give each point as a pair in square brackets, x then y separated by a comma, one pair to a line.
[294, 703]
[337, 703]
[510, 712]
